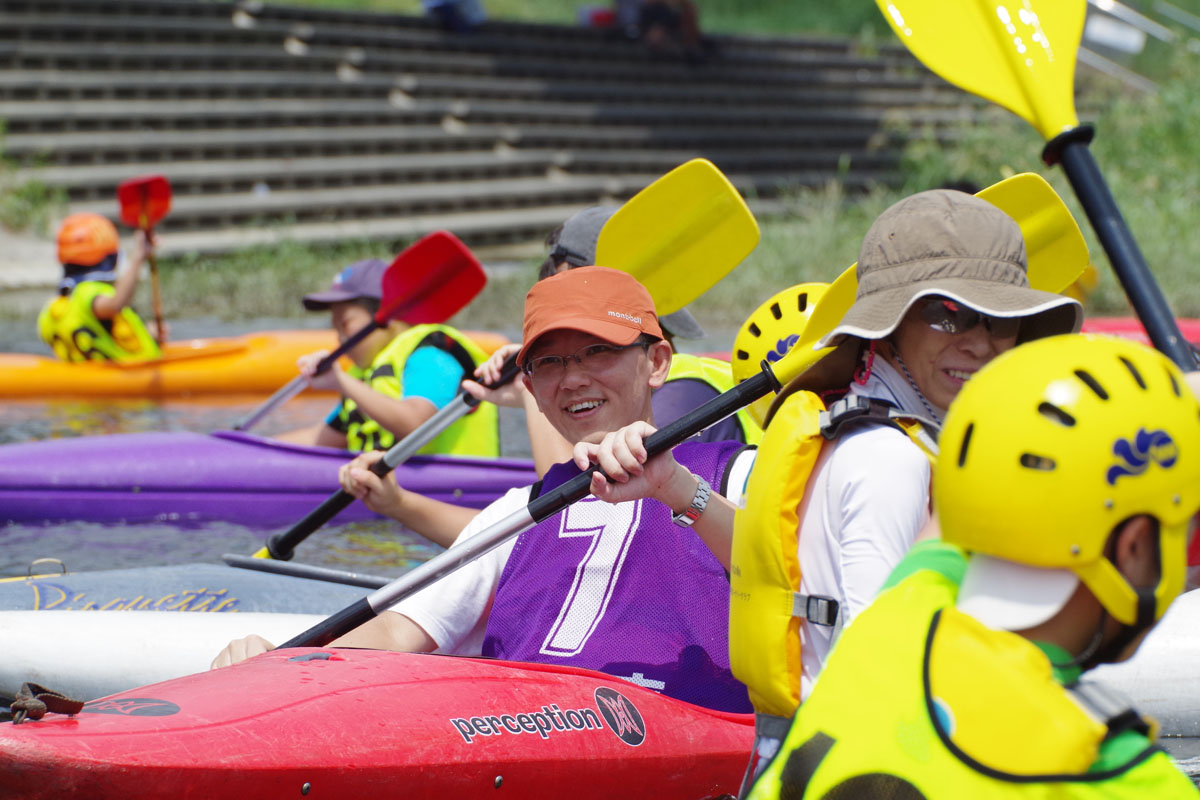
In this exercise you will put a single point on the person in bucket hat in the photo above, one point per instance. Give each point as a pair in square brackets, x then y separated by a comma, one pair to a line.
[584, 587]
[91, 318]
[402, 374]
[942, 290]
[1067, 487]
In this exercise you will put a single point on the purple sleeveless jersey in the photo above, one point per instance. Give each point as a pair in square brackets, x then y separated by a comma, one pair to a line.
[623, 590]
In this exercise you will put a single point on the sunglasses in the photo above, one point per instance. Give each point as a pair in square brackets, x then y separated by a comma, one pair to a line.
[948, 316]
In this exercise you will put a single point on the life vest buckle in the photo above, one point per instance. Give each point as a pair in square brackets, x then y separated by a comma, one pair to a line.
[818, 609]
[852, 408]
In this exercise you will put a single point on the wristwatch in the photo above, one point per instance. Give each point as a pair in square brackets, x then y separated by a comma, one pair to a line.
[689, 515]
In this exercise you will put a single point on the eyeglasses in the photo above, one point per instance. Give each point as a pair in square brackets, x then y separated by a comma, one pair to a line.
[593, 358]
[947, 316]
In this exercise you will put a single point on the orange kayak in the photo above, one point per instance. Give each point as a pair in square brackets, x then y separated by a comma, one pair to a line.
[256, 363]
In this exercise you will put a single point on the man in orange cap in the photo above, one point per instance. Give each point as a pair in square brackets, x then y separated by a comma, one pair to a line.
[90, 319]
[626, 581]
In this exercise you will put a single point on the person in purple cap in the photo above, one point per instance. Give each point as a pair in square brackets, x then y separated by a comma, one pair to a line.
[402, 375]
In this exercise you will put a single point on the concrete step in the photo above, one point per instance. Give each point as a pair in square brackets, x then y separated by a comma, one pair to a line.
[115, 56]
[98, 182]
[298, 36]
[58, 85]
[152, 148]
[399, 107]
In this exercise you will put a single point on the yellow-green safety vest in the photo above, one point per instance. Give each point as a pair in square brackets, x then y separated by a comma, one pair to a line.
[73, 331]
[719, 375]
[919, 700]
[766, 607]
[476, 434]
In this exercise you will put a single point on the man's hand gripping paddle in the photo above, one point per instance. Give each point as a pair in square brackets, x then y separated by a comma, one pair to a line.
[691, 221]
[1022, 56]
[144, 201]
[429, 282]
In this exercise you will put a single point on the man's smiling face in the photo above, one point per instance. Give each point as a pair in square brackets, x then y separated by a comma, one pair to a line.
[585, 402]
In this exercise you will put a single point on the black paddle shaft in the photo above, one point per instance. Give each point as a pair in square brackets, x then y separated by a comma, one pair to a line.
[282, 546]
[1071, 150]
[545, 506]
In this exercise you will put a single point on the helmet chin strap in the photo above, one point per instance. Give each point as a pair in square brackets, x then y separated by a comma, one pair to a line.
[1110, 653]
[1094, 655]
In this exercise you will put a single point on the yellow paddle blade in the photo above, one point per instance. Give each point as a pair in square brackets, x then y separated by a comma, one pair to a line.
[1054, 246]
[680, 235]
[1019, 54]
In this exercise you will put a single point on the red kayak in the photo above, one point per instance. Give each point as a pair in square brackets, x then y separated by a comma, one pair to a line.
[1131, 328]
[326, 722]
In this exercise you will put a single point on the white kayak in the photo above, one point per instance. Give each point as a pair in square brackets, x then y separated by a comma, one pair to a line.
[86, 655]
[1163, 680]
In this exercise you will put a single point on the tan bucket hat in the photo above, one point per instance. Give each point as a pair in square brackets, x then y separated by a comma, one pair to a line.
[953, 244]
[939, 242]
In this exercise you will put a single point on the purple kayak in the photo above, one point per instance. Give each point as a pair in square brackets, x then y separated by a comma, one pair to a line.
[194, 478]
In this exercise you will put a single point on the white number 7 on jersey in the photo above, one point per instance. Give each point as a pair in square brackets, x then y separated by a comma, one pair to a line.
[611, 528]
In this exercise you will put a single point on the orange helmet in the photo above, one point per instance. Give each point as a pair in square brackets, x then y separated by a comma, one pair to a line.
[86, 239]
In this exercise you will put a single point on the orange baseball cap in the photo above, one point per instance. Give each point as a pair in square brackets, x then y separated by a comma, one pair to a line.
[604, 302]
[85, 239]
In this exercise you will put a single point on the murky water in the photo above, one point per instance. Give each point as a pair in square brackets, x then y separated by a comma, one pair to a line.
[378, 547]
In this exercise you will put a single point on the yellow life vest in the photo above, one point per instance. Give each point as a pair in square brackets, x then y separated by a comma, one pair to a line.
[477, 433]
[719, 375]
[73, 331]
[766, 607]
[922, 701]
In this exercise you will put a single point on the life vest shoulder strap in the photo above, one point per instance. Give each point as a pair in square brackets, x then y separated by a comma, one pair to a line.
[1112, 709]
[443, 341]
[855, 410]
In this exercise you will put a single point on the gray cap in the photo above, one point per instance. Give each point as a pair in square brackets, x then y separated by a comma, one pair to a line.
[576, 245]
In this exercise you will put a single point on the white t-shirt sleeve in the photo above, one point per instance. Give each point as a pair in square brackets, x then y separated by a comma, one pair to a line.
[454, 610]
[882, 482]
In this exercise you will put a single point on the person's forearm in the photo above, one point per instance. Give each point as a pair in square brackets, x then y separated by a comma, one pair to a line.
[715, 525]
[437, 521]
[388, 631]
[401, 417]
[108, 306]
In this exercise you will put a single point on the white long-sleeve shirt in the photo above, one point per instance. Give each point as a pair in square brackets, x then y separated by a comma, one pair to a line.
[867, 500]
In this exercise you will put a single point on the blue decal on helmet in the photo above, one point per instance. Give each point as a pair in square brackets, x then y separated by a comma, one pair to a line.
[782, 347]
[1146, 446]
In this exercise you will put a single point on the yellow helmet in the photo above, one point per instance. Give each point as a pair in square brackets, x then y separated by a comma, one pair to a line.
[1053, 444]
[769, 333]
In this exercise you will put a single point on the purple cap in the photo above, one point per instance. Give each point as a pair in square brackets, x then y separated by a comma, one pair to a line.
[362, 279]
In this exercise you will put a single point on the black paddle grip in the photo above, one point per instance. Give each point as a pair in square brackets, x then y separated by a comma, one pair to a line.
[508, 371]
[282, 546]
[330, 628]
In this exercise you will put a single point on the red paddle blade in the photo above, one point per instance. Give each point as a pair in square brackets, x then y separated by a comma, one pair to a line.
[144, 200]
[431, 281]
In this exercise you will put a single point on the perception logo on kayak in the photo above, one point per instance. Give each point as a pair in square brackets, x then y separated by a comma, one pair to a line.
[132, 707]
[621, 715]
[617, 713]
